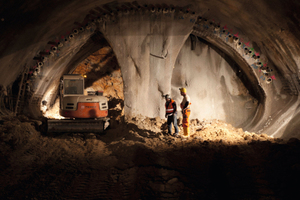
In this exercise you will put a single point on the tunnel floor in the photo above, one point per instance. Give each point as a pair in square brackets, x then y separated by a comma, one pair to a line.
[136, 159]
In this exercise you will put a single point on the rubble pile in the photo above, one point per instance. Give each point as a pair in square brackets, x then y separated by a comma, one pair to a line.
[136, 159]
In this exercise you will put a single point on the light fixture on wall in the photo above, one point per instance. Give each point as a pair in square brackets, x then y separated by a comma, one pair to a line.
[40, 64]
[172, 10]
[223, 33]
[60, 44]
[54, 48]
[186, 13]
[71, 36]
[153, 9]
[258, 64]
[99, 19]
[250, 53]
[239, 45]
[269, 80]
[264, 69]
[217, 29]
[230, 38]
[165, 10]
[66, 40]
[37, 70]
[246, 51]
[88, 26]
[81, 29]
[235, 39]
[257, 58]
[44, 59]
[75, 31]
[159, 10]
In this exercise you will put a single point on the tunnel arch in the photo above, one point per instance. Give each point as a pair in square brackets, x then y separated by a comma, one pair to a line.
[93, 45]
[288, 81]
[206, 71]
[106, 18]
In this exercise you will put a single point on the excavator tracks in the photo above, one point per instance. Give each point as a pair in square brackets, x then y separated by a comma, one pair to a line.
[97, 125]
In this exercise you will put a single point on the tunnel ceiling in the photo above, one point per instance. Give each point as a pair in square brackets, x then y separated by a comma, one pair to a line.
[268, 29]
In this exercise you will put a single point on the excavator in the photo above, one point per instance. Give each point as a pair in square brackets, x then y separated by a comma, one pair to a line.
[83, 113]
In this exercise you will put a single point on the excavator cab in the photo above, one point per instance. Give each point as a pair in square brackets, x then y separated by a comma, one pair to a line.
[82, 112]
[73, 86]
[75, 104]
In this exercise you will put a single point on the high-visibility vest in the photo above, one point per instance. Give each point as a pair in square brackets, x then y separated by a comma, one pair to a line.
[170, 108]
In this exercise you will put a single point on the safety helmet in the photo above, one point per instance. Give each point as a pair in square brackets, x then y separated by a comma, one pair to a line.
[182, 90]
[167, 96]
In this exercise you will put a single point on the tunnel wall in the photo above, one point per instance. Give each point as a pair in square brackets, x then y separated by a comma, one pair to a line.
[213, 84]
[147, 52]
[27, 27]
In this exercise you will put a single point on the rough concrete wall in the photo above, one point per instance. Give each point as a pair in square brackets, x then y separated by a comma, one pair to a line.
[146, 48]
[215, 89]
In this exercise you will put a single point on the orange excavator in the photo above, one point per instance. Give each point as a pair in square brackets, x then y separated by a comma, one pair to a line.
[82, 112]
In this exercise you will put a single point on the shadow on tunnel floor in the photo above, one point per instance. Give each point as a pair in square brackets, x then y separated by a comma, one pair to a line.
[139, 168]
[130, 162]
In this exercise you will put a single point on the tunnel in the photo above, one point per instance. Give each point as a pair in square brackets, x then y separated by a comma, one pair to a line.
[153, 51]
[238, 61]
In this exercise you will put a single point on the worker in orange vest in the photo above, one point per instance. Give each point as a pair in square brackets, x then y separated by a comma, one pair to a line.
[186, 111]
[171, 115]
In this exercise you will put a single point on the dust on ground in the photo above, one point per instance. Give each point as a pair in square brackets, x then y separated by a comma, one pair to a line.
[137, 159]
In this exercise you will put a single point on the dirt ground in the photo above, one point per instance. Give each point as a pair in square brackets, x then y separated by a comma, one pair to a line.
[136, 159]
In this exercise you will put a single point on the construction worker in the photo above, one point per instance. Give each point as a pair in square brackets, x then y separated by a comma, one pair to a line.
[186, 111]
[171, 114]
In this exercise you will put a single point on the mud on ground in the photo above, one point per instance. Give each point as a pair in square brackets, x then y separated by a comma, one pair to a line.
[136, 159]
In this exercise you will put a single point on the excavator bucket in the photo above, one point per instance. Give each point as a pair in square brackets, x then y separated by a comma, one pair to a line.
[77, 126]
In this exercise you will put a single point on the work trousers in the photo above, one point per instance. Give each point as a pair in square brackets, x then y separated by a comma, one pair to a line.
[186, 115]
[186, 121]
[172, 119]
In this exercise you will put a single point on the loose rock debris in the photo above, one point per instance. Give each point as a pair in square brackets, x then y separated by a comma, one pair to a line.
[137, 159]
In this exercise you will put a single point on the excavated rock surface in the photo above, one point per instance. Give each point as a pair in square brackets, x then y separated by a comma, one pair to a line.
[136, 159]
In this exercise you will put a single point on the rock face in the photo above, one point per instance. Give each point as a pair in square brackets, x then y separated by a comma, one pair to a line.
[147, 52]
[213, 84]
